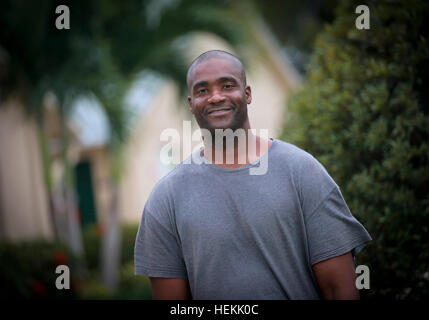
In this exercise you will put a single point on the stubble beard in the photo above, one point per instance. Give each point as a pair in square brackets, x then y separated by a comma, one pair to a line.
[237, 122]
[222, 136]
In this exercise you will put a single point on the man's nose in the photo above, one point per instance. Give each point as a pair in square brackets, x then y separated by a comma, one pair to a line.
[216, 98]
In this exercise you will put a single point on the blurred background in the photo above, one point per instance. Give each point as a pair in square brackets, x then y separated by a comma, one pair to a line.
[82, 110]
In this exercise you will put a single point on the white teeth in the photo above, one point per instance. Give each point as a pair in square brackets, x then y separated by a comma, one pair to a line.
[219, 111]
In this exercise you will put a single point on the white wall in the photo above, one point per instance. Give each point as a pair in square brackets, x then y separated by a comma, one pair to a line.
[24, 208]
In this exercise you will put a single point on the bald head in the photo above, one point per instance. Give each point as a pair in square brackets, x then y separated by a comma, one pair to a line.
[216, 54]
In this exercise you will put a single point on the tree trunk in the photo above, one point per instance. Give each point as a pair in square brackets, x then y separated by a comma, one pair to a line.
[73, 219]
[111, 245]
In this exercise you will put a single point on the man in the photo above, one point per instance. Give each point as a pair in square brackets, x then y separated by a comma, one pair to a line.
[215, 231]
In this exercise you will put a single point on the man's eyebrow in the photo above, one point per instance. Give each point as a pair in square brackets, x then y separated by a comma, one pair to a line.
[221, 79]
[200, 84]
[226, 79]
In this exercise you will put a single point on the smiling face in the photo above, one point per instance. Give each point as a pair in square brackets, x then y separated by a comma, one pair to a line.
[218, 94]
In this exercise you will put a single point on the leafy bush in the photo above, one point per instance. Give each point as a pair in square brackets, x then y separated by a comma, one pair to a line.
[91, 242]
[95, 290]
[27, 270]
[129, 233]
[130, 286]
[363, 112]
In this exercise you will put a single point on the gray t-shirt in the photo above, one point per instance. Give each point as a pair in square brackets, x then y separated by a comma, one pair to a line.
[235, 235]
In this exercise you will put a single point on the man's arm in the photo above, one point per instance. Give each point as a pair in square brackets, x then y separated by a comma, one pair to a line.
[336, 278]
[170, 289]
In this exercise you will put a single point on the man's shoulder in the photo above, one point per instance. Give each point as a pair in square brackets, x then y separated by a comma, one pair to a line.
[305, 166]
[293, 154]
[180, 174]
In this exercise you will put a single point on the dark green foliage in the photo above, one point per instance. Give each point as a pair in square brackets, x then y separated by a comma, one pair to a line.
[364, 113]
[92, 241]
[27, 270]
[91, 237]
[296, 24]
[107, 44]
[129, 234]
[130, 286]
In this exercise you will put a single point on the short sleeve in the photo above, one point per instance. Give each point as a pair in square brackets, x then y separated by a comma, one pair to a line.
[332, 230]
[157, 252]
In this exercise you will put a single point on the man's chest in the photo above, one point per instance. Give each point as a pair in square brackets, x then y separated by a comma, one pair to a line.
[228, 215]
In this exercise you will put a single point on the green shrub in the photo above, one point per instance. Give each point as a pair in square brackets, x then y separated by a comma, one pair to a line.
[95, 290]
[92, 244]
[129, 233]
[91, 236]
[27, 270]
[364, 113]
[132, 286]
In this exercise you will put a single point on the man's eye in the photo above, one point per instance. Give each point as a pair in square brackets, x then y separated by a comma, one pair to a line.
[202, 91]
[228, 86]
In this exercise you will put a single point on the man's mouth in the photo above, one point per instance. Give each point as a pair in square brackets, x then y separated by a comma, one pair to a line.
[219, 111]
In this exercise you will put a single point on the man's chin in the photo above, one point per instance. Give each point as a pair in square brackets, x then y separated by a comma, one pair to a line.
[213, 128]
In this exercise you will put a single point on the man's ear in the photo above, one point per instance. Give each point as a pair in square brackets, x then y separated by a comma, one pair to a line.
[248, 91]
[190, 104]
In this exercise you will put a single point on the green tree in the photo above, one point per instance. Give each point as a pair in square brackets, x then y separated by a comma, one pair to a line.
[363, 112]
